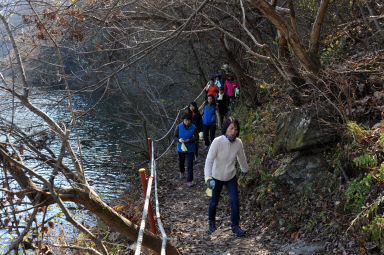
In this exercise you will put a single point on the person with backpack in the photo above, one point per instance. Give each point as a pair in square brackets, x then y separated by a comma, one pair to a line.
[209, 120]
[186, 135]
[220, 171]
[197, 120]
[222, 105]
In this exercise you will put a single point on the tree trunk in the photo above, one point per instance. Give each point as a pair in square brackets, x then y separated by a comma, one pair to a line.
[203, 77]
[288, 32]
[315, 33]
[91, 201]
[290, 71]
[119, 223]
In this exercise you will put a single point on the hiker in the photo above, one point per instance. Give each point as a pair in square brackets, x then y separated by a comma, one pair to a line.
[222, 105]
[211, 88]
[220, 170]
[209, 121]
[230, 86]
[197, 120]
[218, 81]
[186, 135]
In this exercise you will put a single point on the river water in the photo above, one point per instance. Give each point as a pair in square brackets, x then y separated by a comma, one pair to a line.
[101, 155]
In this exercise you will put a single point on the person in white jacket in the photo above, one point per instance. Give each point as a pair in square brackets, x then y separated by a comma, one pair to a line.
[220, 170]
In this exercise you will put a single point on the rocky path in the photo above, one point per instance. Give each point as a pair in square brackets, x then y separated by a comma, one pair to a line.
[185, 212]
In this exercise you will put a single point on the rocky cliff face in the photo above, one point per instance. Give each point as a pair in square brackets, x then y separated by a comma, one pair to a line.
[303, 135]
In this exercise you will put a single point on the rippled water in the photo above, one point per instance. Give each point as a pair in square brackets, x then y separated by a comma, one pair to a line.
[100, 155]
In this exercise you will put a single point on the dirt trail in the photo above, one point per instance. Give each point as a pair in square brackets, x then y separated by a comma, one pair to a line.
[185, 212]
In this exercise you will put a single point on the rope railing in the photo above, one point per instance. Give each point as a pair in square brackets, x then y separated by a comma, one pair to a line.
[176, 118]
[170, 129]
[158, 216]
[144, 217]
[173, 125]
[151, 179]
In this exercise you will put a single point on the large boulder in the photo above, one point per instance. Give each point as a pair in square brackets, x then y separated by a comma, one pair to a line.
[303, 129]
[299, 169]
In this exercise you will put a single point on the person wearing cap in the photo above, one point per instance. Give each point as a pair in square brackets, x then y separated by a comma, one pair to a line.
[220, 170]
[186, 135]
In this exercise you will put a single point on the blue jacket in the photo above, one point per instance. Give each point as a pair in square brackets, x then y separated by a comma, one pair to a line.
[209, 115]
[186, 133]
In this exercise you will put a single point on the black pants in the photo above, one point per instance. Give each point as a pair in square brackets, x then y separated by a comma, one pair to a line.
[222, 116]
[231, 100]
[189, 156]
[197, 148]
[209, 134]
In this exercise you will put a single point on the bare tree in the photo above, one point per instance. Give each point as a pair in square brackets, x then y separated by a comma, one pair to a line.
[19, 153]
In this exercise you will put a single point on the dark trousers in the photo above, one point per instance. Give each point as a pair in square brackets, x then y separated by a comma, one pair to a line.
[189, 156]
[231, 101]
[233, 197]
[209, 133]
[197, 148]
[222, 116]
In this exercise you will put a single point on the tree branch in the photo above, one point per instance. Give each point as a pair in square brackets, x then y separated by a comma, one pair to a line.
[316, 29]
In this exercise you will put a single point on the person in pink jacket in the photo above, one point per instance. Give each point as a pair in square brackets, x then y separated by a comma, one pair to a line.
[229, 87]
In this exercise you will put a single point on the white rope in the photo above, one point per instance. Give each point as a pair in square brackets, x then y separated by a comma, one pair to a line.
[149, 187]
[158, 216]
[166, 151]
[170, 129]
[143, 218]
[175, 121]
[146, 205]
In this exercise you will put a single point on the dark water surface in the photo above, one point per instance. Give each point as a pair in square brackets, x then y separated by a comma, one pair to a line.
[101, 155]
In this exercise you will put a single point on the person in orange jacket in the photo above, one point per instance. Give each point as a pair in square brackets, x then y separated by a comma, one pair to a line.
[211, 88]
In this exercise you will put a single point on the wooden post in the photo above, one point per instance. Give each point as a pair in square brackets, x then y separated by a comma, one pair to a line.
[151, 219]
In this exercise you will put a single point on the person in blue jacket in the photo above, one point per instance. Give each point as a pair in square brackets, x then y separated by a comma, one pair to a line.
[186, 135]
[209, 121]
[197, 120]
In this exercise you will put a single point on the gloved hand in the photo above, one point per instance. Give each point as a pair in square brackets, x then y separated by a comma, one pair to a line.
[241, 179]
[201, 135]
[211, 184]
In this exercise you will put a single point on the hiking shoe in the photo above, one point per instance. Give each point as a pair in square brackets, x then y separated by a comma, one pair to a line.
[189, 184]
[237, 231]
[181, 175]
[212, 227]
